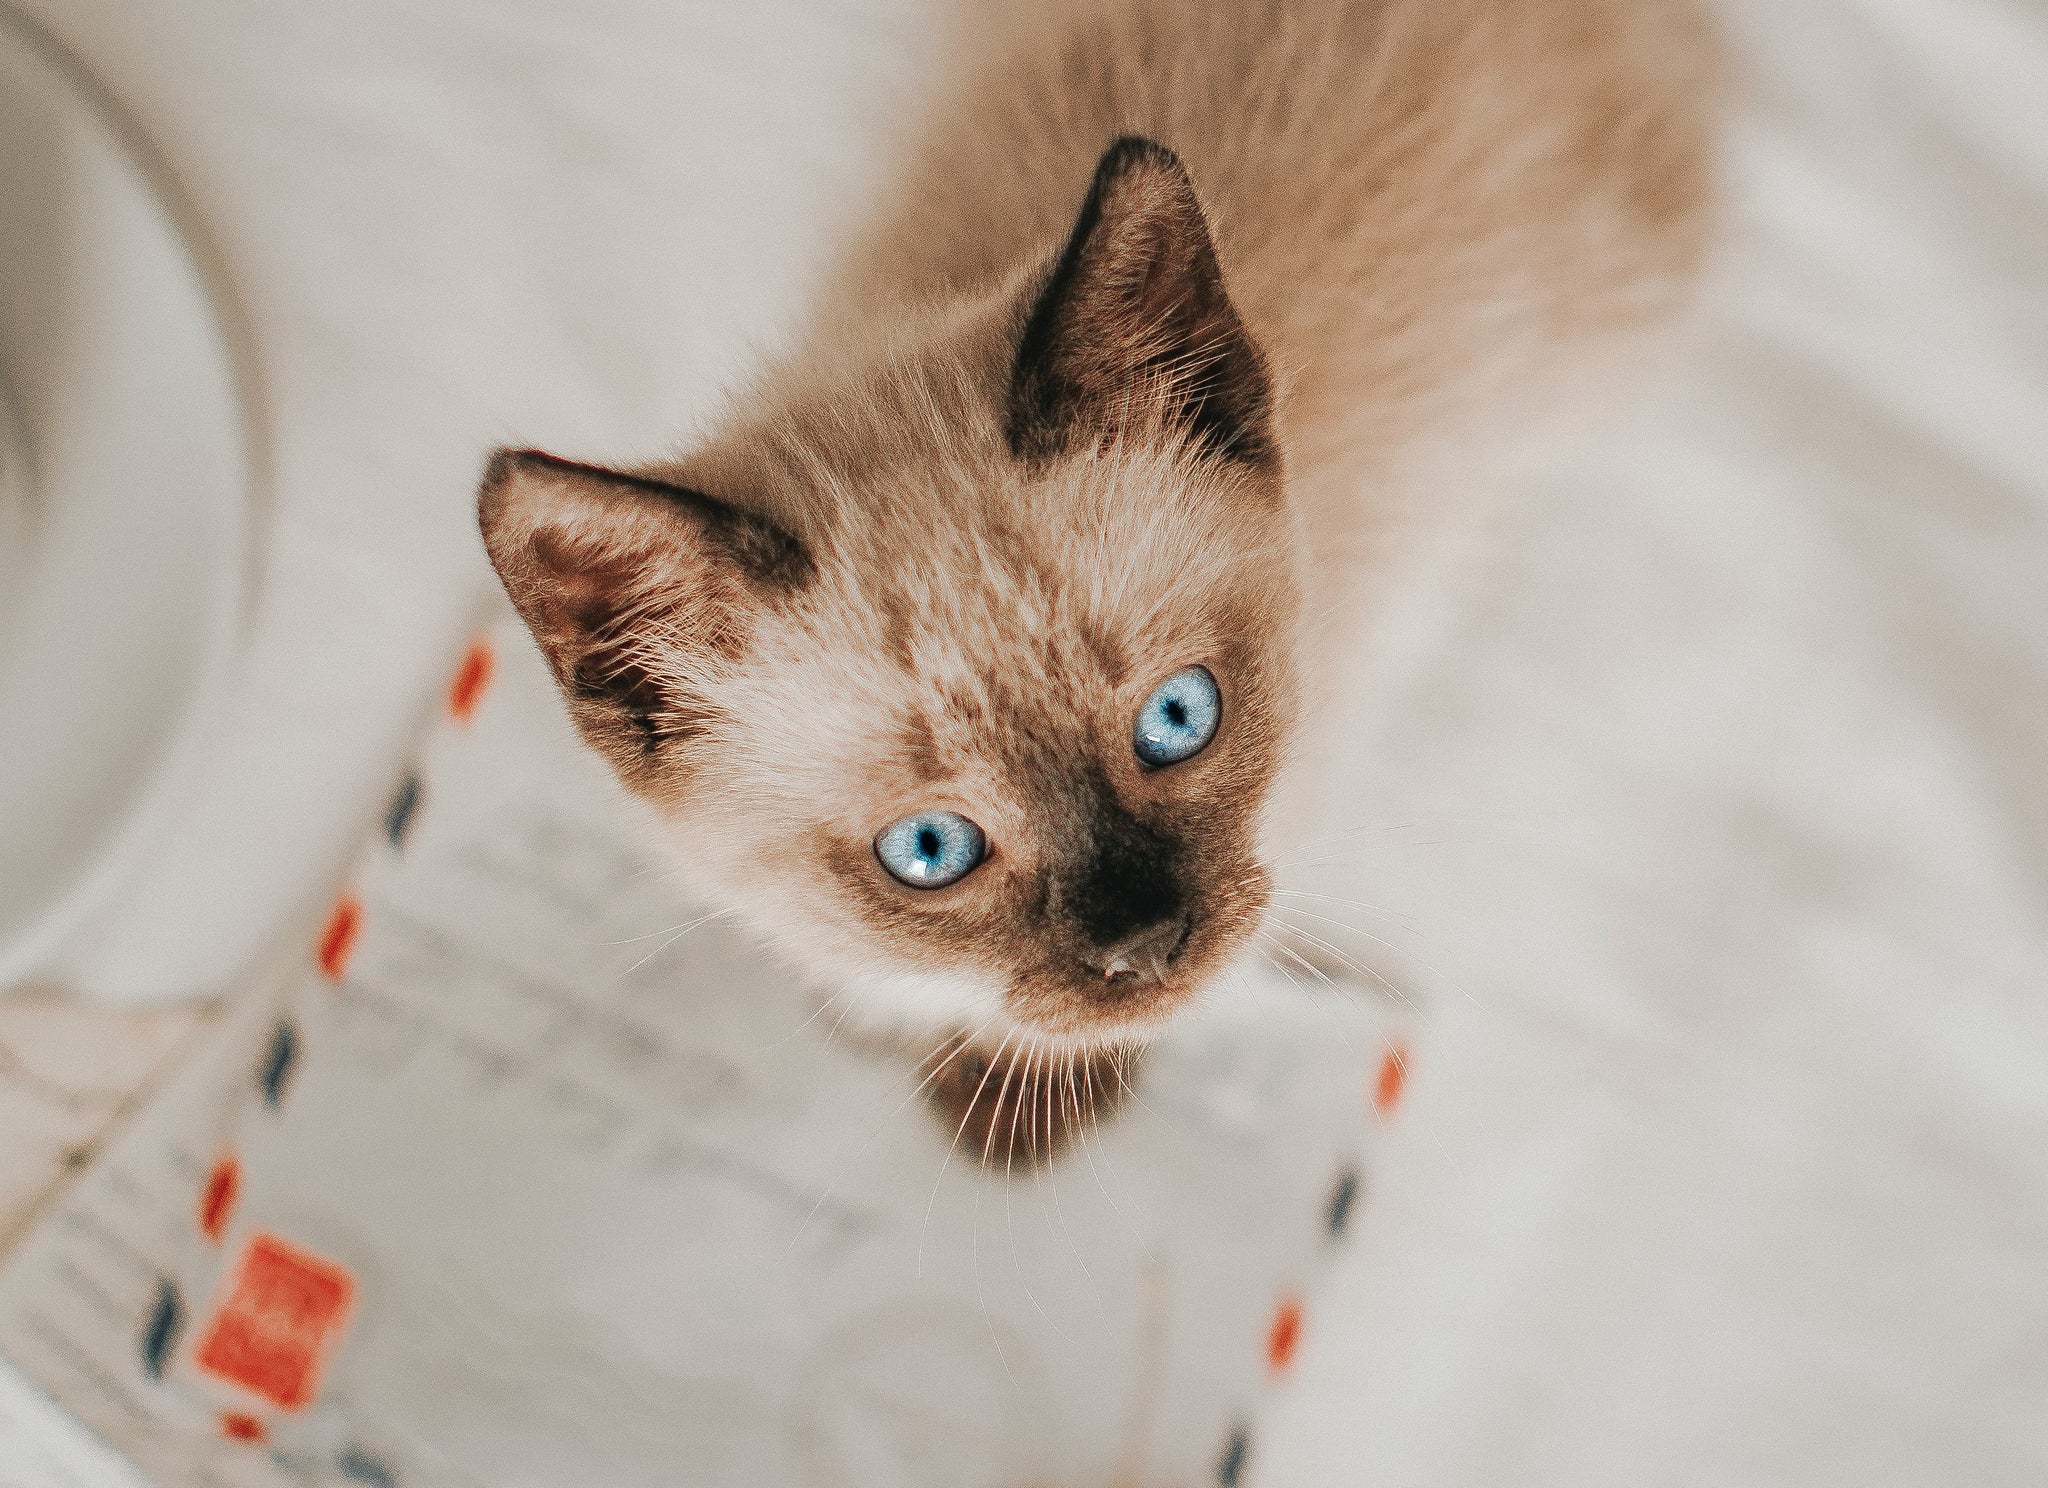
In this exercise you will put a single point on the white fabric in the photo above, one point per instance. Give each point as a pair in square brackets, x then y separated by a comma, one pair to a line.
[1718, 769]
[40, 1447]
[1729, 1161]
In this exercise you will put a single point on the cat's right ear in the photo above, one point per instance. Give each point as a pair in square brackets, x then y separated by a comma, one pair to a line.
[1133, 329]
[628, 584]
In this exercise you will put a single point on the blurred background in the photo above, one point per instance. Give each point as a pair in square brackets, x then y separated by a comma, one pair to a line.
[1713, 779]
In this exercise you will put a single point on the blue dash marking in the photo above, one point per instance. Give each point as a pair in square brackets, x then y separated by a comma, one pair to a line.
[1235, 1456]
[1343, 1199]
[405, 804]
[279, 1060]
[353, 1462]
[160, 1331]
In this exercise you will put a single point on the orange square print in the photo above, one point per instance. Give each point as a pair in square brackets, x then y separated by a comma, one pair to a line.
[282, 1314]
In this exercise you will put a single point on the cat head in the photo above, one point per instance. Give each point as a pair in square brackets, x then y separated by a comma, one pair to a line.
[960, 664]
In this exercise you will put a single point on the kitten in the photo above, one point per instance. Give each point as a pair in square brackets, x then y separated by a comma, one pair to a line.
[963, 659]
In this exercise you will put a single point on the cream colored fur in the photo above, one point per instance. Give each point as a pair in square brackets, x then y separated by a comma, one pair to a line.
[1422, 210]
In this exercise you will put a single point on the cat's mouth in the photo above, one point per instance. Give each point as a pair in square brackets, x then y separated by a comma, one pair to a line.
[1130, 990]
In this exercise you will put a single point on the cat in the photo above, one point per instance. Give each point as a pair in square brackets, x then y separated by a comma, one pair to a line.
[964, 657]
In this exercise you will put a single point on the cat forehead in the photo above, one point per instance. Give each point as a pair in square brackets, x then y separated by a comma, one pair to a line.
[938, 673]
[955, 691]
[966, 652]
[1110, 543]
[963, 594]
[986, 612]
[1000, 627]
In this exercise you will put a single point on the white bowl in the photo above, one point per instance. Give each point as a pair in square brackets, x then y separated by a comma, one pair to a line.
[124, 502]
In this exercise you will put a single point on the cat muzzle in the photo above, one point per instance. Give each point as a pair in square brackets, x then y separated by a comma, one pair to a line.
[1142, 958]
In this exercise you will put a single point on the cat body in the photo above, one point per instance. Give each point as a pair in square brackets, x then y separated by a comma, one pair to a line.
[964, 657]
[1414, 202]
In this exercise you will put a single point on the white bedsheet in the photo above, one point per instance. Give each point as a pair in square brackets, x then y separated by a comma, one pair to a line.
[1729, 1161]
[1716, 780]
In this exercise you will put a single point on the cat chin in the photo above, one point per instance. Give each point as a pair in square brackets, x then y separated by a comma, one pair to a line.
[914, 1009]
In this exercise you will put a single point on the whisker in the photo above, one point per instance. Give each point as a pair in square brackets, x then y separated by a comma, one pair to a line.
[1331, 838]
[1132, 1092]
[1062, 1093]
[839, 1022]
[1009, 1190]
[700, 921]
[1002, 1095]
[1403, 915]
[816, 1013]
[1389, 945]
[1047, 1177]
[965, 1116]
[1094, 1127]
[1274, 941]
[1341, 924]
[961, 1043]
[1364, 971]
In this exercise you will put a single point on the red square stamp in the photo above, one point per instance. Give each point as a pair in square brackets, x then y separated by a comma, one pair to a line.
[282, 1314]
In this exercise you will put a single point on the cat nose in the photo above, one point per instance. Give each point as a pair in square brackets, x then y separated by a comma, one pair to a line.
[1140, 958]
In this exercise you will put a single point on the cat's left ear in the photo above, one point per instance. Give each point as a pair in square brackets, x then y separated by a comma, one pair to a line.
[1135, 327]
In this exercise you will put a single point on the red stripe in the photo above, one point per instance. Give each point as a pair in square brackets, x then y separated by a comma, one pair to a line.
[1393, 1079]
[339, 938]
[217, 1198]
[1284, 1335]
[472, 678]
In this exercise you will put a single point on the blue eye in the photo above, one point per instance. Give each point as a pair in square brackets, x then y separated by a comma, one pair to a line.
[1179, 719]
[931, 849]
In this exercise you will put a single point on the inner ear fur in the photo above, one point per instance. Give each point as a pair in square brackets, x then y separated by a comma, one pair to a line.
[1134, 325]
[610, 570]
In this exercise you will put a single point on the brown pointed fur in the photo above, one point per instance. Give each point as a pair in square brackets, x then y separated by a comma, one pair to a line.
[1417, 206]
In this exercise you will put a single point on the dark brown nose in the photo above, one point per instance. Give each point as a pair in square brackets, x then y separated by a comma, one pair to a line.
[1141, 958]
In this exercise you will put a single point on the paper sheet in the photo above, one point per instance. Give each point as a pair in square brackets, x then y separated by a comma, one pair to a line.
[528, 1176]
[41, 1446]
[67, 1072]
